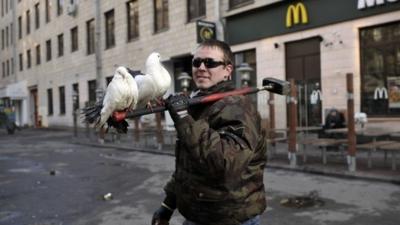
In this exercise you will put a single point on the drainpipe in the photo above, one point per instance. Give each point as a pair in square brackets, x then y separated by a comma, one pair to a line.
[99, 77]
[13, 31]
[219, 21]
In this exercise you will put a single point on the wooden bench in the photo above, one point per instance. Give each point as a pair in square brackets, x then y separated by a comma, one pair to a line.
[372, 147]
[394, 148]
[322, 143]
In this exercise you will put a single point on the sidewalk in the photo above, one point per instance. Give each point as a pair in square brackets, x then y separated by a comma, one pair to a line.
[336, 160]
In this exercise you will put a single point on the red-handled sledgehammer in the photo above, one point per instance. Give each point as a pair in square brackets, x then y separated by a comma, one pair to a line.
[269, 84]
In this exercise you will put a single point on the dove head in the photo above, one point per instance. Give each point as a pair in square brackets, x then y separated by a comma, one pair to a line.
[154, 58]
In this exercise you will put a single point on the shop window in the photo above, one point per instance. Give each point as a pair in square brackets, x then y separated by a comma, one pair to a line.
[380, 70]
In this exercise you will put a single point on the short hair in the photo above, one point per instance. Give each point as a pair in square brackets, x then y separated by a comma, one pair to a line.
[223, 46]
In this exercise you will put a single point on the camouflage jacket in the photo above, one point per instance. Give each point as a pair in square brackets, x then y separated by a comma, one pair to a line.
[220, 160]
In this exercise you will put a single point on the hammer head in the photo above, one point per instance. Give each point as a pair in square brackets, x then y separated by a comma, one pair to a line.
[276, 86]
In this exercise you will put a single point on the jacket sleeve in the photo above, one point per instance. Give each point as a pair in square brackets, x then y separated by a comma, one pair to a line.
[225, 147]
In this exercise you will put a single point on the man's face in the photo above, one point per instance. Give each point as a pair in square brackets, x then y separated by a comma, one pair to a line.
[206, 77]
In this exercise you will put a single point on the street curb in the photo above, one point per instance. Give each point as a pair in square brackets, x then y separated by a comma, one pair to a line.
[346, 175]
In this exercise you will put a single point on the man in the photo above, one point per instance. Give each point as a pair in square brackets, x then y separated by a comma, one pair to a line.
[220, 150]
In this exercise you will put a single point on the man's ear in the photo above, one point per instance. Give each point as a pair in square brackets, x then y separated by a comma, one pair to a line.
[229, 69]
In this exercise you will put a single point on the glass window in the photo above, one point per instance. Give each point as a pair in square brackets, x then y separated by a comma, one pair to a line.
[37, 16]
[60, 7]
[8, 67]
[48, 11]
[238, 3]
[60, 40]
[196, 9]
[249, 57]
[133, 19]
[21, 62]
[92, 92]
[61, 91]
[7, 37]
[38, 55]
[19, 27]
[2, 39]
[28, 22]
[74, 39]
[49, 101]
[380, 70]
[90, 36]
[161, 21]
[4, 68]
[110, 29]
[48, 50]
[28, 59]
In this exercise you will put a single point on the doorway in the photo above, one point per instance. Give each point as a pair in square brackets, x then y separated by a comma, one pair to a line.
[303, 64]
[34, 108]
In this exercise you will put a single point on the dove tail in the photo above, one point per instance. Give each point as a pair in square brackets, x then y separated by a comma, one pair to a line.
[92, 113]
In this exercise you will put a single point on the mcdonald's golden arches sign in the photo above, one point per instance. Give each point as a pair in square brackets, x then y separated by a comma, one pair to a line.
[295, 14]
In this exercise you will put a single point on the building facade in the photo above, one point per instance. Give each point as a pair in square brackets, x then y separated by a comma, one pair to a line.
[55, 54]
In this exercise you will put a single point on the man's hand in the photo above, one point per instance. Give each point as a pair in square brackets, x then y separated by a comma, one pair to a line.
[177, 105]
[161, 216]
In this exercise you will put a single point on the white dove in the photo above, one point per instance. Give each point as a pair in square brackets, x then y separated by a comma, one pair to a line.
[121, 94]
[154, 83]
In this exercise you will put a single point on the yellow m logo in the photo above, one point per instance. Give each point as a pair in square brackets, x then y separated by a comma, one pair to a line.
[296, 12]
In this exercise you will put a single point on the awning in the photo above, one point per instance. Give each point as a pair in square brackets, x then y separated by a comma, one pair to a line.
[15, 91]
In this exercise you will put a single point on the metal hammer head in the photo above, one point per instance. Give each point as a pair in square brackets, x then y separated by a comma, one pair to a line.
[276, 86]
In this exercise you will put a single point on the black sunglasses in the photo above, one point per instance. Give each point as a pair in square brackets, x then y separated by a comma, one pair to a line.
[208, 62]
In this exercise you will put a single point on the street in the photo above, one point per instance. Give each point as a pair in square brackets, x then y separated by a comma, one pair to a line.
[47, 179]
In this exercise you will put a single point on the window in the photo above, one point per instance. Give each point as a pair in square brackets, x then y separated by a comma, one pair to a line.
[28, 59]
[8, 68]
[380, 70]
[2, 11]
[7, 37]
[4, 68]
[60, 40]
[110, 35]
[2, 39]
[47, 13]
[48, 50]
[19, 27]
[38, 55]
[160, 15]
[12, 65]
[239, 3]
[37, 16]
[60, 7]
[28, 22]
[21, 62]
[90, 36]
[74, 39]
[11, 34]
[196, 9]
[92, 92]
[61, 91]
[49, 101]
[133, 19]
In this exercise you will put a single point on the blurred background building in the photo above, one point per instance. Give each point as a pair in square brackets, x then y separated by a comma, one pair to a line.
[57, 55]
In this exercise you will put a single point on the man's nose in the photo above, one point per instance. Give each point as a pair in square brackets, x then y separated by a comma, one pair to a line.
[202, 66]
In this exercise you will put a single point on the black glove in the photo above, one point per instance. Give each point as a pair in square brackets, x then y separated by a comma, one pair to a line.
[161, 216]
[177, 105]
